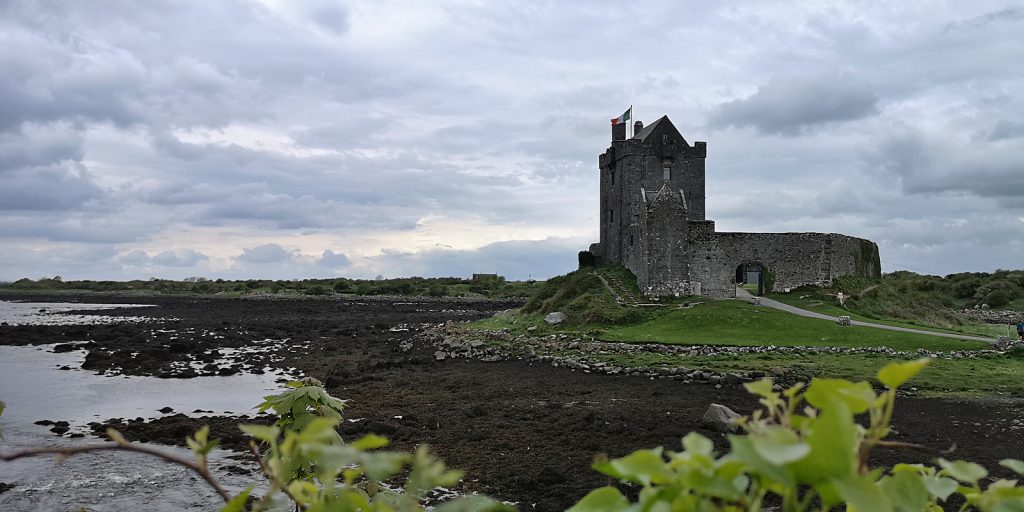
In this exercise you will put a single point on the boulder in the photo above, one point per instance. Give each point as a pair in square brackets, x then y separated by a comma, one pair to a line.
[721, 418]
[555, 318]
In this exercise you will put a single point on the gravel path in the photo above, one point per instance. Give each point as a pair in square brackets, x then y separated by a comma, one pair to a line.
[774, 304]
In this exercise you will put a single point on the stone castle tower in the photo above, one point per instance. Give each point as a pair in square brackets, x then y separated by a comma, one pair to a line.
[653, 223]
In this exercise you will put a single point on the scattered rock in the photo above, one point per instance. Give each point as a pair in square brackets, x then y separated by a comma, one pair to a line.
[531, 328]
[4, 487]
[165, 410]
[721, 418]
[440, 355]
[555, 318]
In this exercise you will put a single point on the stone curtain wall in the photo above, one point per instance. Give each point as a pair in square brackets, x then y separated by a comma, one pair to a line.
[865, 261]
[795, 259]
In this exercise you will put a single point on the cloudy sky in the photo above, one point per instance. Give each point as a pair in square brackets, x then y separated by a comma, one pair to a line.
[288, 139]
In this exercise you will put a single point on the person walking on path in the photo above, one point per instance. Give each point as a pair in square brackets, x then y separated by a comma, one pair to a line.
[1020, 329]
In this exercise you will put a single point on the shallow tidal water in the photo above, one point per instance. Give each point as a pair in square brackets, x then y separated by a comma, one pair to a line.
[56, 313]
[35, 388]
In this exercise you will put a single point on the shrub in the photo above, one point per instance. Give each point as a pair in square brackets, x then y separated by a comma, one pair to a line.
[815, 459]
[587, 259]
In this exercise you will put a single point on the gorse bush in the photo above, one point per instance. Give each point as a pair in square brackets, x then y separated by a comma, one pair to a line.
[805, 450]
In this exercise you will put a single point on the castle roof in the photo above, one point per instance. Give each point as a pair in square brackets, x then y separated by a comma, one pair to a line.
[650, 129]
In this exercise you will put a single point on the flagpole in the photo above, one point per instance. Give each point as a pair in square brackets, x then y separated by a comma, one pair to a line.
[631, 116]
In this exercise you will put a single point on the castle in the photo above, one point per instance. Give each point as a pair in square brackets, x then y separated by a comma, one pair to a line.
[653, 223]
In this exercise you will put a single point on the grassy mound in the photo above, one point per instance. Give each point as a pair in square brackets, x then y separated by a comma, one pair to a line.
[584, 299]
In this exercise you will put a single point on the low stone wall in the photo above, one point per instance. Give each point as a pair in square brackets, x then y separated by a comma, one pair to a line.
[992, 316]
[560, 350]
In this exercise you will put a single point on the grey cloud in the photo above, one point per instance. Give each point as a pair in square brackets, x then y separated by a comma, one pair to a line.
[135, 258]
[333, 259]
[1004, 129]
[54, 187]
[514, 259]
[90, 261]
[266, 253]
[792, 106]
[36, 145]
[928, 164]
[978, 22]
[179, 258]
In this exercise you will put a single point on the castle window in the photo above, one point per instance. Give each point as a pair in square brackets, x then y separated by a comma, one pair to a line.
[613, 177]
[611, 216]
[631, 240]
[666, 172]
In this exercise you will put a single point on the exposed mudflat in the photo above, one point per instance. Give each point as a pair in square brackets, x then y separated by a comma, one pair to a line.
[523, 431]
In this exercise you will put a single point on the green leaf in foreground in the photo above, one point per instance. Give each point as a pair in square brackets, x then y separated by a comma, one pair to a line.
[895, 374]
[605, 499]
[696, 443]
[858, 396]
[642, 466]
[861, 494]
[963, 471]
[940, 486]
[1014, 464]
[237, 504]
[779, 445]
[264, 433]
[473, 503]
[833, 440]
[905, 491]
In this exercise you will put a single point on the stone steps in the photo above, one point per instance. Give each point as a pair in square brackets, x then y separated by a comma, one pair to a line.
[624, 295]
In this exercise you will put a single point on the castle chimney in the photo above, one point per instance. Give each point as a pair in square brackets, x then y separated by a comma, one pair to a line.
[637, 126]
[618, 132]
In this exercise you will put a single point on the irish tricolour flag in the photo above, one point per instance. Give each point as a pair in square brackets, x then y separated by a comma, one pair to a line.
[624, 117]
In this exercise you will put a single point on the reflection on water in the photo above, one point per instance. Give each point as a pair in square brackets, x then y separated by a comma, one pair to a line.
[55, 313]
[34, 388]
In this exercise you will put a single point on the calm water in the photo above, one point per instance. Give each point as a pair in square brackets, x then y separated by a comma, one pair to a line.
[55, 313]
[35, 389]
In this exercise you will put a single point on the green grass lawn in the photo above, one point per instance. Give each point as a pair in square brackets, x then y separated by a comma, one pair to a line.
[833, 309]
[814, 302]
[733, 322]
[947, 378]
